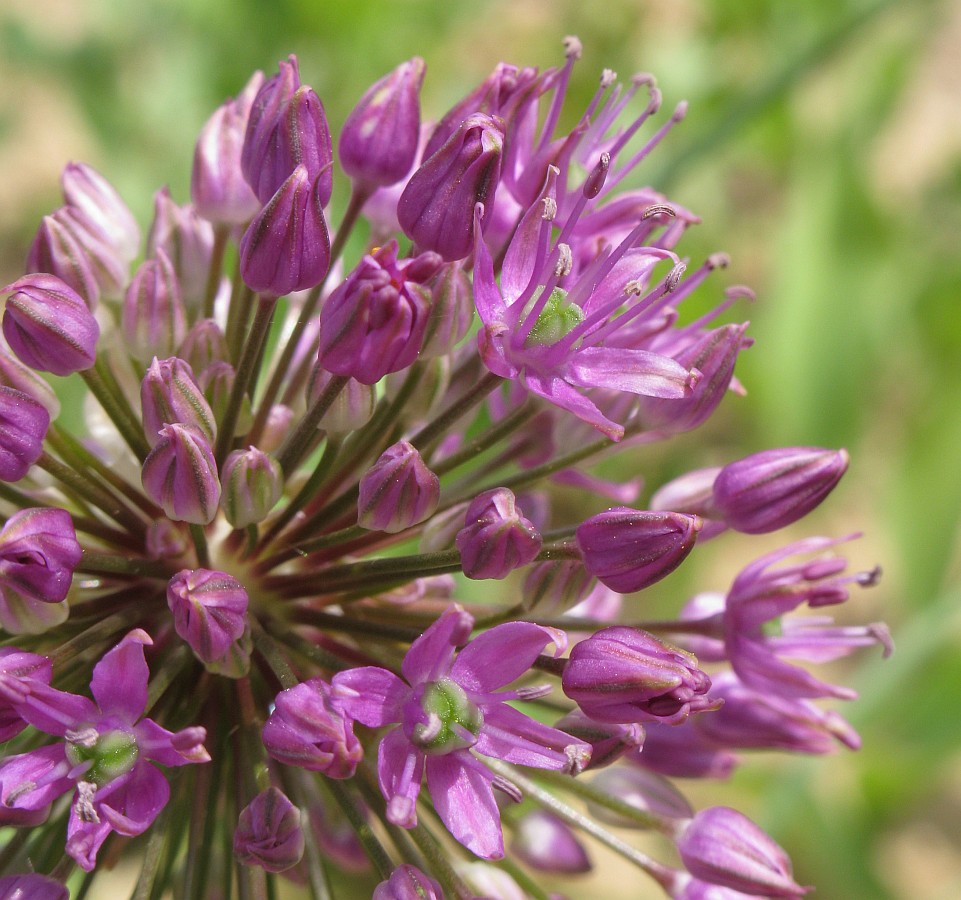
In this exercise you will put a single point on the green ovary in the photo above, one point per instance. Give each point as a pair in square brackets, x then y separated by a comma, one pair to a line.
[557, 318]
[454, 722]
[113, 755]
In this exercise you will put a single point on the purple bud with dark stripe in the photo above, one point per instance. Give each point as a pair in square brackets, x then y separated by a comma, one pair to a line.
[496, 537]
[180, 475]
[49, 327]
[397, 491]
[23, 426]
[154, 319]
[57, 251]
[269, 832]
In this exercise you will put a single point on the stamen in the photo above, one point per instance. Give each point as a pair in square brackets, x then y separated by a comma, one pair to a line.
[86, 811]
[565, 261]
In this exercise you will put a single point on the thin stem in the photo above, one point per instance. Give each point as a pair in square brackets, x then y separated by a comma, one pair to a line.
[199, 537]
[99, 496]
[456, 410]
[100, 381]
[365, 834]
[571, 816]
[132, 567]
[238, 315]
[298, 443]
[246, 368]
[270, 651]
[485, 440]
[221, 236]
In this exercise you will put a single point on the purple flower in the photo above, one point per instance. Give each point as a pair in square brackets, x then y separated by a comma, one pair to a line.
[628, 549]
[269, 833]
[407, 882]
[397, 491]
[496, 538]
[180, 474]
[764, 591]
[38, 553]
[23, 426]
[210, 614]
[723, 847]
[436, 210]
[558, 340]
[48, 325]
[169, 394]
[769, 490]
[286, 247]
[374, 323]
[449, 710]
[105, 755]
[622, 674]
[154, 317]
[378, 142]
[547, 844]
[307, 728]
[252, 484]
[217, 185]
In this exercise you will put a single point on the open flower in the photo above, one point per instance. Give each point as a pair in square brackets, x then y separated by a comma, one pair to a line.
[448, 710]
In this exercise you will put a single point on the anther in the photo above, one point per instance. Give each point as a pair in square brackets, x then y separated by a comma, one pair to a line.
[608, 77]
[565, 261]
[658, 209]
[550, 209]
[674, 278]
[86, 812]
[572, 47]
[718, 261]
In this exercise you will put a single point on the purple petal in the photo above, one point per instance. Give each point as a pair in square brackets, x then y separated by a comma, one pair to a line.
[521, 256]
[131, 808]
[44, 768]
[119, 682]
[171, 748]
[515, 738]
[430, 656]
[371, 695]
[400, 770]
[501, 655]
[461, 789]
[487, 297]
[557, 391]
[760, 669]
[635, 371]
[56, 712]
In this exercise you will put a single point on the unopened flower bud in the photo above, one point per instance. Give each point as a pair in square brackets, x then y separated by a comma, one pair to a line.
[713, 355]
[397, 491]
[308, 729]
[14, 374]
[48, 326]
[101, 207]
[38, 553]
[374, 323]
[629, 549]
[204, 345]
[352, 407]
[609, 740]
[268, 105]
[217, 185]
[269, 832]
[378, 142]
[496, 538]
[252, 484]
[210, 614]
[280, 420]
[169, 394]
[110, 268]
[436, 210]
[682, 751]
[645, 791]
[180, 475]
[165, 540]
[23, 426]
[188, 242]
[772, 489]
[451, 310]
[154, 318]
[721, 846]
[56, 251]
[286, 247]
[556, 585]
[217, 381]
[546, 843]
[33, 887]
[622, 674]
[407, 882]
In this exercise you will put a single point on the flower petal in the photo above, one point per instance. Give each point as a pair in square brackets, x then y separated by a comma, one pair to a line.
[119, 682]
[400, 770]
[515, 738]
[429, 657]
[502, 654]
[371, 695]
[461, 789]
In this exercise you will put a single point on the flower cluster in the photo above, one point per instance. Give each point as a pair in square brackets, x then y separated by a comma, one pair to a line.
[253, 558]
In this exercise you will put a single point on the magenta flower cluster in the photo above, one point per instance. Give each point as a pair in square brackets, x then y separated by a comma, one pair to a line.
[237, 608]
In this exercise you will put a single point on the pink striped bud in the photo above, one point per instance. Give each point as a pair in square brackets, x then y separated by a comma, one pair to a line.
[102, 208]
[269, 832]
[57, 251]
[169, 393]
[23, 426]
[629, 549]
[252, 484]
[407, 882]
[188, 241]
[48, 326]
[496, 537]
[154, 319]
[397, 491]
[180, 475]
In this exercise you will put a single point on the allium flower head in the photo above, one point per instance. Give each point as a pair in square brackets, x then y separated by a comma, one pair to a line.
[298, 453]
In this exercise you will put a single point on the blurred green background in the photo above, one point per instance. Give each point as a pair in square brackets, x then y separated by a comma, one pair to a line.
[823, 151]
